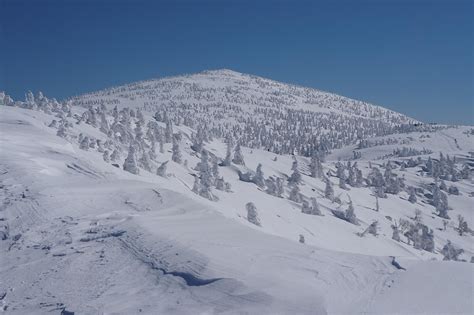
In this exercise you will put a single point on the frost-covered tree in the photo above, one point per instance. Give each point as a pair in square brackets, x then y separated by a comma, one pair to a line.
[301, 240]
[295, 194]
[279, 187]
[228, 156]
[238, 156]
[62, 131]
[329, 191]
[106, 156]
[451, 252]
[115, 156]
[315, 210]
[295, 177]
[197, 185]
[259, 178]
[462, 226]
[350, 214]
[305, 207]
[412, 195]
[205, 177]
[312, 208]
[84, 144]
[145, 161]
[220, 183]
[342, 183]
[440, 202]
[315, 166]
[396, 232]
[371, 229]
[168, 131]
[53, 124]
[130, 164]
[176, 155]
[252, 215]
[161, 170]
[271, 186]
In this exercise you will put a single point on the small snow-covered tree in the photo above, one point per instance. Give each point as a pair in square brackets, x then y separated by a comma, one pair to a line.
[462, 226]
[130, 164]
[259, 178]
[412, 195]
[329, 191]
[350, 214]
[295, 194]
[396, 232]
[84, 145]
[145, 161]
[238, 156]
[161, 170]
[176, 155]
[62, 131]
[106, 156]
[252, 215]
[295, 177]
[315, 210]
[305, 207]
[228, 156]
[279, 187]
[451, 252]
[115, 156]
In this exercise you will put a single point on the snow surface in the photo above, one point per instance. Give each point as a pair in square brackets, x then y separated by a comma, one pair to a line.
[89, 238]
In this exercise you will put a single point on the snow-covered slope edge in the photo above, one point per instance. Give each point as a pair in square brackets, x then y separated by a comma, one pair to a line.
[83, 234]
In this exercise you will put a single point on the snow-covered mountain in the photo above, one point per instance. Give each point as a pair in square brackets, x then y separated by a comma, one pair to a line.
[221, 192]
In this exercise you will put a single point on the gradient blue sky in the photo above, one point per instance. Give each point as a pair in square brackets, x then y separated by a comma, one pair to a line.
[411, 56]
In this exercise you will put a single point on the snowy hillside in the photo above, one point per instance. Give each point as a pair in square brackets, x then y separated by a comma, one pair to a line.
[221, 192]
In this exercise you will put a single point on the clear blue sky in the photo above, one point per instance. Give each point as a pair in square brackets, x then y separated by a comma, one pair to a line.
[411, 56]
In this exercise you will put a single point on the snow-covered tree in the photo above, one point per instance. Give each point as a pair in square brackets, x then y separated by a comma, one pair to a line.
[252, 215]
[462, 226]
[451, 252]
[106, 156]
[329, 191]
[295, 194]
[259, 178]
[115, 156]
[412, 195]
[205, 177]
[176, 155]
[238, 156]
[350, 214]
[84, 144]
[145, 161]
[130, 164]
[295, 177]
[161, 170]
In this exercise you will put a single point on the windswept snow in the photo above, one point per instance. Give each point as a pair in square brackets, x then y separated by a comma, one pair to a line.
[81, 234]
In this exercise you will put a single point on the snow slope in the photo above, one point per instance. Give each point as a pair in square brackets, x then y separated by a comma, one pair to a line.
[82, 235]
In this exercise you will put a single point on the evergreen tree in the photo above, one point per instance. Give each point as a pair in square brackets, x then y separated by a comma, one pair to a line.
[176, 155]
[295, 177]
[106, 156]
[252, 215]
[295, 194]
[238, 156]
[259, 178]
[329, 191]
[451, 252]
[130, 164]
[161, 170]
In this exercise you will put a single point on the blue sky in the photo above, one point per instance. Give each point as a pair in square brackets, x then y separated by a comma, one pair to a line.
[411, 56]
